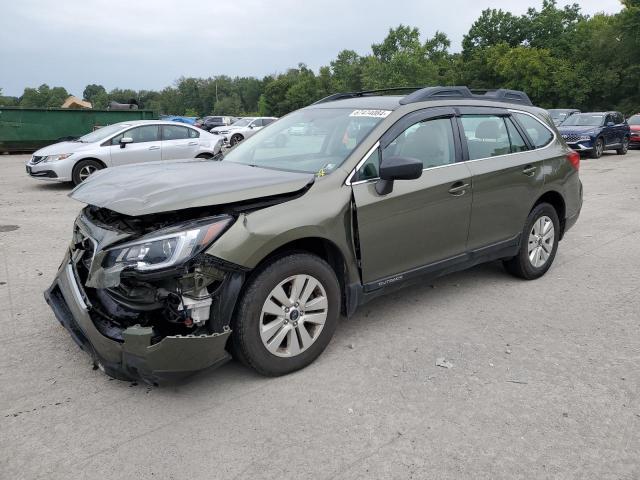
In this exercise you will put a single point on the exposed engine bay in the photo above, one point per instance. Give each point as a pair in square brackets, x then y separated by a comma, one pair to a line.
[177, 300]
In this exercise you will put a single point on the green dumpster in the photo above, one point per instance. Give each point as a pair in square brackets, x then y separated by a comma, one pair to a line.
[28, 129]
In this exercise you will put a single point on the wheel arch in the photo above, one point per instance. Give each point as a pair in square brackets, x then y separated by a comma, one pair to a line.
[95, 159]
[322, 247]
[556, 200]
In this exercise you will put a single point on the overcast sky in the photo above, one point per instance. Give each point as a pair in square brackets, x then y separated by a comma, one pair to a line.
[148, 44]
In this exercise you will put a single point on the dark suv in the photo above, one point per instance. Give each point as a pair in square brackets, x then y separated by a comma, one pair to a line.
[176, 266]
[596, 132]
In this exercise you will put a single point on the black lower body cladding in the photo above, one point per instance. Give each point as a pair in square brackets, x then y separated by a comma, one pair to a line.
[131, 344]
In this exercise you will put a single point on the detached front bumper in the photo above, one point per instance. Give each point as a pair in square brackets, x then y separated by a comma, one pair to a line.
[137, 357]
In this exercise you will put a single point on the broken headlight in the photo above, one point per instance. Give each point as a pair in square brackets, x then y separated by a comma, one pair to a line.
[167, 247]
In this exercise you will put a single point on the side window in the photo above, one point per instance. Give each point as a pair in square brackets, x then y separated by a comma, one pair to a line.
[267, 121]
[257, 122]
[619, 118]
[193, 133]
[147, 133]
[517, 142]
[174, 132]
[430, 141]
[369, 168]
[486, 136]
[538, 133]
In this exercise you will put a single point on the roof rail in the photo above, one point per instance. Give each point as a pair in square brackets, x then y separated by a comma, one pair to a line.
[439, 93]
[363, 93]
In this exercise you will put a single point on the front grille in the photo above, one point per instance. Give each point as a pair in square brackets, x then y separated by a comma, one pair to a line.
[37, 159]
[571, 137]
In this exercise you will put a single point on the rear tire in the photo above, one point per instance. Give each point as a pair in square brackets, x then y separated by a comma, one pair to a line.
[538, 244]
[598, 148]
[263, 331]
[83, 169]
[625, 147]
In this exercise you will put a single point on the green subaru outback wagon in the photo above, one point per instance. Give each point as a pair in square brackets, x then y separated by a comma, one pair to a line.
[177, 266]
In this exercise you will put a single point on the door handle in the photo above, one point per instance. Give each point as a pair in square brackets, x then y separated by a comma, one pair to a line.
[193, 143]
[529, 170]
[458, 189]
[154, 147]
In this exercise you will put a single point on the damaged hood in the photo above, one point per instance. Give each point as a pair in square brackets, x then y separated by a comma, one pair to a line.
[156, 187]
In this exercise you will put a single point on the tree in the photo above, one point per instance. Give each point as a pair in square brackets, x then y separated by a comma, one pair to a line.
[492, 28]
[403, 60]
[92, 91]
[346, 72]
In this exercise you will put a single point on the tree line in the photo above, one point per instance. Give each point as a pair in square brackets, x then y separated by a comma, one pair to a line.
[560, 56]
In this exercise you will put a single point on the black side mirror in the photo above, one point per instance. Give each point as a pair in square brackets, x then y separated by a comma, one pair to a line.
[397, 168]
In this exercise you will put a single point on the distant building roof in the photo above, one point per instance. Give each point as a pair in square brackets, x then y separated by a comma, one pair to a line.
[75, 102]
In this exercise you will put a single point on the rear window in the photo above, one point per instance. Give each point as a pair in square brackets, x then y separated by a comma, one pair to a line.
[634, 120]
[539, 134]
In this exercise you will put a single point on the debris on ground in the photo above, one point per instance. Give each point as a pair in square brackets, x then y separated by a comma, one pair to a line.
[508, 351]
[352, 346]
[442, 362]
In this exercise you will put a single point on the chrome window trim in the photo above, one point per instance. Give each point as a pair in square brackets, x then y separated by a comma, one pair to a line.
[360, 163]
[377, 144]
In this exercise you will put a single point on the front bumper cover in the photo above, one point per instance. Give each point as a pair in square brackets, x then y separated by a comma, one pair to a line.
[136, 358]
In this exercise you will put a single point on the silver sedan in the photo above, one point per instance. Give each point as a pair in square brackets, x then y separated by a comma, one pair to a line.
[121, 144]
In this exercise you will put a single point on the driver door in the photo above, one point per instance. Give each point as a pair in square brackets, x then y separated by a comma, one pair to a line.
[422, 222]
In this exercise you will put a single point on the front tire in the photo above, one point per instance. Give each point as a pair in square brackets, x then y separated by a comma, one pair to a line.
[625, 147]
[235, 139]
[598, 148]
[287, 314]
[538, 244]
[84, 169]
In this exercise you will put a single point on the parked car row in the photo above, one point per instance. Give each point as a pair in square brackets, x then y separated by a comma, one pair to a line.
[242, 129]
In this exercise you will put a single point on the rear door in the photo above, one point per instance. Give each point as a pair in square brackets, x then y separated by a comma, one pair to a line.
[621, 127]
[507, 172]
[179, 142]
[423, 221]
[609, 131]
[145, 146]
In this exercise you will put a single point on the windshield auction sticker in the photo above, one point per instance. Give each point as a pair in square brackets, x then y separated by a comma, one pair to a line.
[370, 113]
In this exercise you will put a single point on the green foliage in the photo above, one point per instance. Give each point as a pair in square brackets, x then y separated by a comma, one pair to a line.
[559, 56]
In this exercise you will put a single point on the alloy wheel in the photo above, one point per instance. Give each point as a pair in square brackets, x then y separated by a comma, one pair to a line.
[293, 315]
[86, 171]
[541, 239]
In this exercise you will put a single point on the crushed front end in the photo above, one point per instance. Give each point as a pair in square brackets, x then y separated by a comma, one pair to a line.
[142, 298]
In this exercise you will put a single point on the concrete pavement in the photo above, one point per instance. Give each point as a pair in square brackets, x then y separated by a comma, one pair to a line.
[545, 380]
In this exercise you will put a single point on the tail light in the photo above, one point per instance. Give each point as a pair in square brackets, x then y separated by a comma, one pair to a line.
[574, 159]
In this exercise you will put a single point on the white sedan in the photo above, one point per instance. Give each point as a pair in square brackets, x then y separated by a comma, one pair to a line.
[122, 143]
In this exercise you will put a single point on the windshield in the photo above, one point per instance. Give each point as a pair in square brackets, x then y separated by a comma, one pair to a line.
[634, 120]
[584, 120]
[315, 140]
[102, 133]
[559, 114]
[243, 122]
